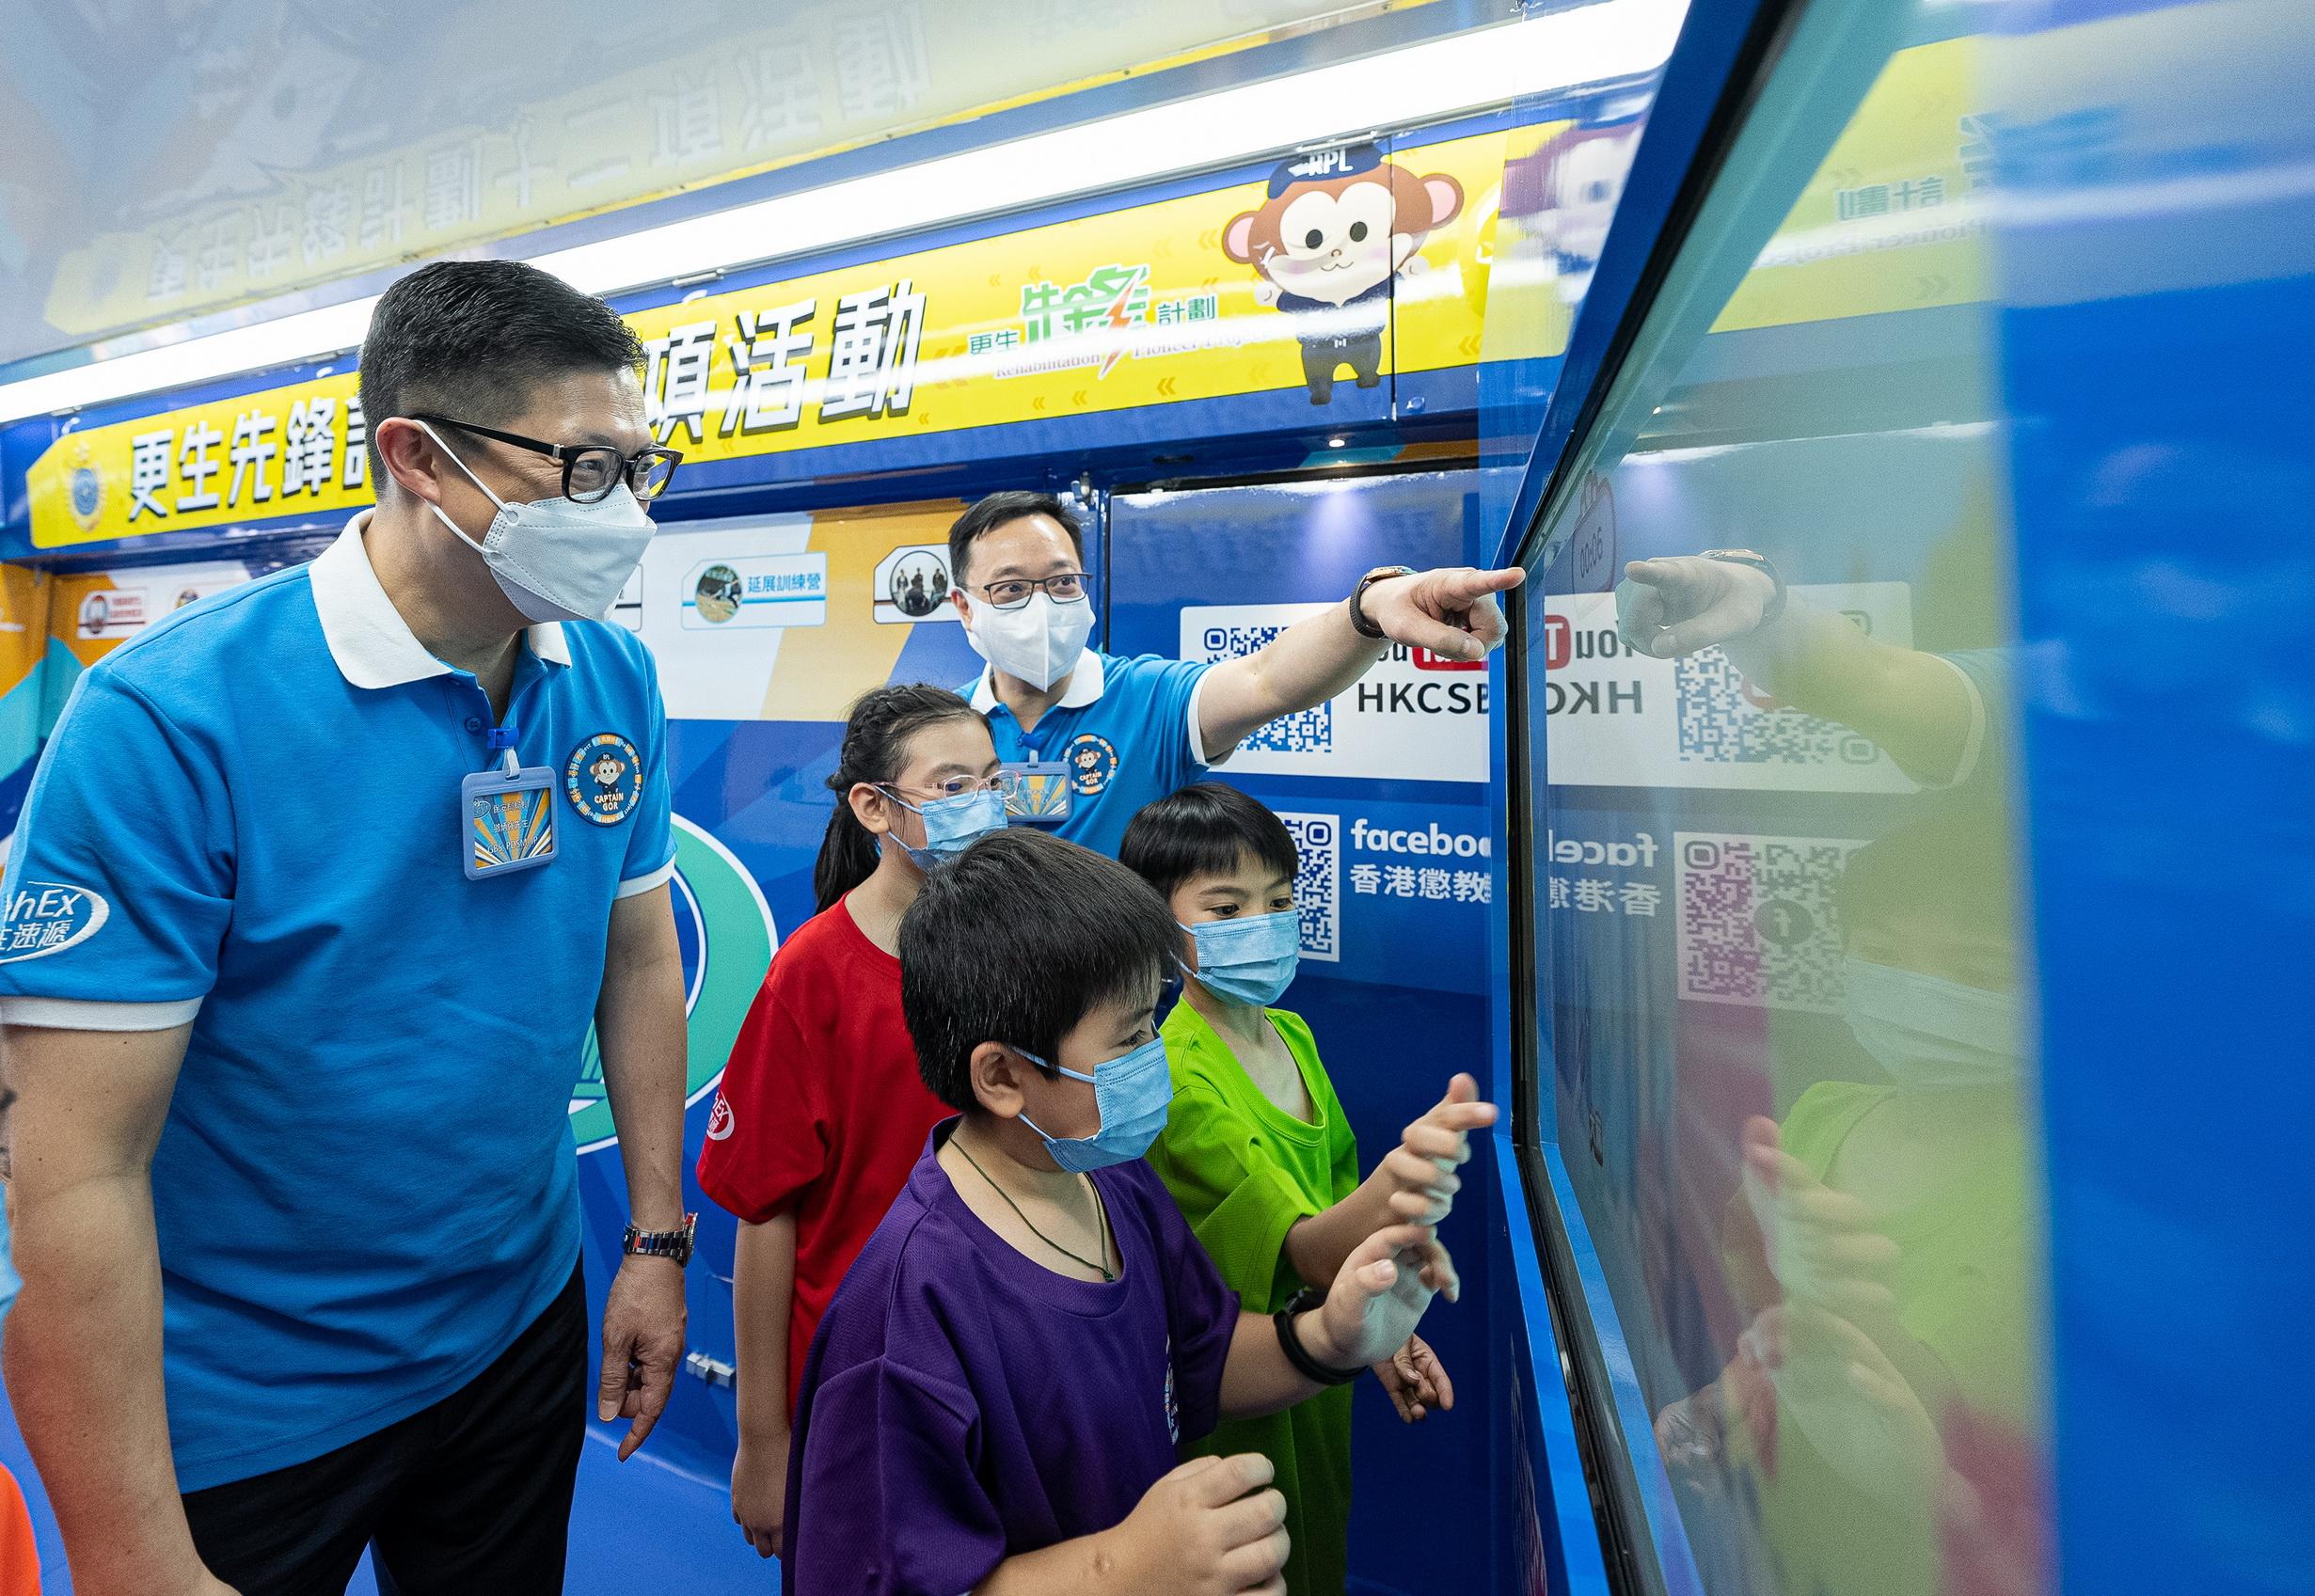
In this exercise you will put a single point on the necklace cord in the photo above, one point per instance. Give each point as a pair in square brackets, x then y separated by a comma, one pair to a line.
[1100, 1269]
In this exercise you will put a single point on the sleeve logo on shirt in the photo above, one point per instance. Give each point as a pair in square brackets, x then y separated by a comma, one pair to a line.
[720, 1119]
[1173, 1407]
[46, 916]
[604, 778]
[1092, 761]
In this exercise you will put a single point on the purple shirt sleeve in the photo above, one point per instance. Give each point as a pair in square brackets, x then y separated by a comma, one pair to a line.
[887, 1501]
[1203, 1314]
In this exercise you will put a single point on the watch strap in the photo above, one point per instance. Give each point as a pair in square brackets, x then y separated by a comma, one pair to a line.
[1361, 622]
[1297, 1353]
[675, 1244]
[1765, 567]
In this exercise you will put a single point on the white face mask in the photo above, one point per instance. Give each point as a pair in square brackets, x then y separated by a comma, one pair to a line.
[1039, 643]
[556, 559]
[1931, 1032]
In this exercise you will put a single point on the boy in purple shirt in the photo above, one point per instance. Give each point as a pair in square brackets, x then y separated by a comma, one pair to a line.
[994, 1398]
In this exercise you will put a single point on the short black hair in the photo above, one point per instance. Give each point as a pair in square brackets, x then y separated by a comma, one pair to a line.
[1204, 829]
[990, 514]
[469, 338]
[1016, 940]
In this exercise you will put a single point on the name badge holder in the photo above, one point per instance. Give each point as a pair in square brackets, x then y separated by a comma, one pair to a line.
[1036, 789]
[507, 816]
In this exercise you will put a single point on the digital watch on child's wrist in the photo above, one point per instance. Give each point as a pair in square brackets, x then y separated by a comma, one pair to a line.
[1310, 1367]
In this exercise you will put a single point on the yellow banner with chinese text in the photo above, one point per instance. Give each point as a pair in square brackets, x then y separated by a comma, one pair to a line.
[1909, 173]
[1107, 312]
[282, 452]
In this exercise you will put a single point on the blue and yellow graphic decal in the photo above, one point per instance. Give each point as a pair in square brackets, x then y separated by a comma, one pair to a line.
[1039, 794]
[723, 928]
[506, 828]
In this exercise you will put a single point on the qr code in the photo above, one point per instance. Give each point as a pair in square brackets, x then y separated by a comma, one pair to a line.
[1758, 920]
[1318, 882]
[1307, 731]
[1718, 725]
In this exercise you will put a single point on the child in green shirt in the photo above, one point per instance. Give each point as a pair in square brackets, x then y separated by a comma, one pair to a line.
[1257, 1152]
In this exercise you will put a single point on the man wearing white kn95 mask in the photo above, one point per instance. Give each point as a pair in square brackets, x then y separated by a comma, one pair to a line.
[1087, 738]
[343, 864]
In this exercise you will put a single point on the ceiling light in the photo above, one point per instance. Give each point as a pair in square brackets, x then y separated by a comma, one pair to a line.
[1404, 87]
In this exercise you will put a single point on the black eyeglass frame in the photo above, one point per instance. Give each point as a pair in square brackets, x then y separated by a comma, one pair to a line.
[569, 455]
[1035, 585]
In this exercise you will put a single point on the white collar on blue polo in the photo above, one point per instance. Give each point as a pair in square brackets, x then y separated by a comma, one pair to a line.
[366, 635]
[1085, 684]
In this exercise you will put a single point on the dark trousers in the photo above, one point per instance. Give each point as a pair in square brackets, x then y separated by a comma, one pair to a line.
[1323, 356]
[473, 1494]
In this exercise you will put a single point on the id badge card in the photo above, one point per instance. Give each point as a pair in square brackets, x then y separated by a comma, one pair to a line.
[507, 820]
[1036, 792]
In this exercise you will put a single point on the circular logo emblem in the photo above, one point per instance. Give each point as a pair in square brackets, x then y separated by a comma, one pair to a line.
[88, 493]
[1092, 761]
[719, 1120]
[604, 778]
[717, 596]
[46, 916]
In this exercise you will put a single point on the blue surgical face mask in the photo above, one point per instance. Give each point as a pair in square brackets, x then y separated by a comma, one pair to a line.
[1934, 1033]
[1131, 1092]
[952, 825]
[9, 1284]
[1249, 960]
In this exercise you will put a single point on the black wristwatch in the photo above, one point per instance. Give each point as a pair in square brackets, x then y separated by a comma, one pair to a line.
[1310, 1367]
[1359, 622]
[1758, 563]
[673, 1244]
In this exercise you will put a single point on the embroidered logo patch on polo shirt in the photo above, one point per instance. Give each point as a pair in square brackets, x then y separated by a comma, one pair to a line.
[1092, 761]
[604, 778]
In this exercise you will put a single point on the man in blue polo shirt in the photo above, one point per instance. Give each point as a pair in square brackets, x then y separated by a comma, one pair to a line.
[1089, 738]
[318, 889]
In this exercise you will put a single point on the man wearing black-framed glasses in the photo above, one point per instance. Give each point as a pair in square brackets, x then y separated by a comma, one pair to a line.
[338, 873]
[1087, 738]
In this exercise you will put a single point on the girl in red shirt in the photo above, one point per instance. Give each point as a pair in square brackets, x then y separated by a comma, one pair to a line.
[822, 1113]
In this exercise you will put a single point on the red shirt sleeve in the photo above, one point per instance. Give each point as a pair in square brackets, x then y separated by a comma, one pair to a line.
[769, 1133]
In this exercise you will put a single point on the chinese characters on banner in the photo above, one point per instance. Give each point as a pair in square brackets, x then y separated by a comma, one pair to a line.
[281, 451]
[1104, 313]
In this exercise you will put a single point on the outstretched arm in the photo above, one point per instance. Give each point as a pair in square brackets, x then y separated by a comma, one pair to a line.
[1414, 1184]
[1372, 1309]
[1451, 612]
[1915, 706]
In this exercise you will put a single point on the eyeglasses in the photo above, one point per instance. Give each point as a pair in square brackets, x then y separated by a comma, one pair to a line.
[955, 787]
[1064, 587]
[590, 471]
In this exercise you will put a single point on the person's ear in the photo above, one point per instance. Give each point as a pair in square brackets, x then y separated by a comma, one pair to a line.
[964, 606]
[872, 808]
[414, 459]
[997, 1073]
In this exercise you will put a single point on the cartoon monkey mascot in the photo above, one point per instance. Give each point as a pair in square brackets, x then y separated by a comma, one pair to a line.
[1334, 229]
[1565, 195]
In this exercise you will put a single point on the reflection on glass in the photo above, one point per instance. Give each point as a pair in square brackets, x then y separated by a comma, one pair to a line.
[275, 143]
[1792, 1006]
